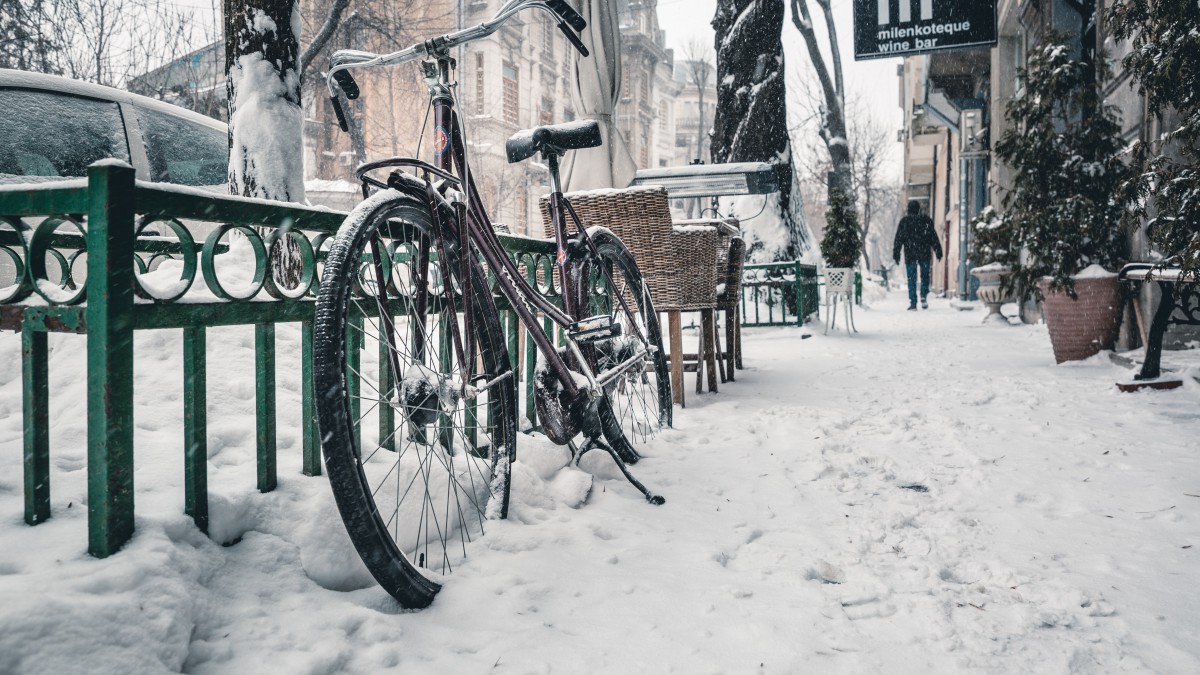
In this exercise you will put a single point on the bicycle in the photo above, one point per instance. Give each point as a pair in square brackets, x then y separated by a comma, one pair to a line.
[407, 269]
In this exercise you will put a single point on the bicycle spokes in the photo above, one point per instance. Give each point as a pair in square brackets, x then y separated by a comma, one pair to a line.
[429, 454]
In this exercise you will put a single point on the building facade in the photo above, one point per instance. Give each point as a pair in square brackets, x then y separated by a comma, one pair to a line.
[945, 101]
[520, 77]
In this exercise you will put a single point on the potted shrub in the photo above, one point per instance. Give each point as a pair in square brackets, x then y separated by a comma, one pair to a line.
[991, 243]
[842, 244]
[1061, 213]
[1164, 62]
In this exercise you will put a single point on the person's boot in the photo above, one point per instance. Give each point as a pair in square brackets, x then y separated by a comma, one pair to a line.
[924, 303]
[912, 308]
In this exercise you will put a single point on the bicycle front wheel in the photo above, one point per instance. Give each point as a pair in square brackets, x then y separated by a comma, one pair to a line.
[416, 408]
[637, 401]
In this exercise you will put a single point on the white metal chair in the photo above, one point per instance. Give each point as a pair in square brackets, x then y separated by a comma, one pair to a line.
[839, 286]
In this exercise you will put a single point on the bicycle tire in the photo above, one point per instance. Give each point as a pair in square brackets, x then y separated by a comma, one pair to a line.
[456, 460]
[636, 406]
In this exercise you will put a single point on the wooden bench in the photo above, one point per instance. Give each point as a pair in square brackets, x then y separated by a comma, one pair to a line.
[1179, 303]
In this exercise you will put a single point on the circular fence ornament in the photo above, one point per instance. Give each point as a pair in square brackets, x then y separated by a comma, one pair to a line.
[63, 290]
[233, 262]
[147, 281]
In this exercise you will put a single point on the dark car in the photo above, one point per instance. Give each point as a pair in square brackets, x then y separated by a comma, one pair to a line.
[52, 128]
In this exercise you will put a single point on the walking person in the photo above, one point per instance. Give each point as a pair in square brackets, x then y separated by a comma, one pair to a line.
[916, 238]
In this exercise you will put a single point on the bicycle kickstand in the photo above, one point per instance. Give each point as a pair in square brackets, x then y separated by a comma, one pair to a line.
[592, 443]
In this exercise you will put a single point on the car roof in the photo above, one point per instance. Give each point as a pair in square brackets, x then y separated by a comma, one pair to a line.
[23, 79]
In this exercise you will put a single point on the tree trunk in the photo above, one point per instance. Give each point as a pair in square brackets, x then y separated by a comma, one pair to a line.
[833, 124]
[265, 118]
[751, 117]
[866, 228]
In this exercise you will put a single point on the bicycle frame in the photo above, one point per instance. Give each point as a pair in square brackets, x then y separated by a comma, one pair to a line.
[472, 222]
[475, 226]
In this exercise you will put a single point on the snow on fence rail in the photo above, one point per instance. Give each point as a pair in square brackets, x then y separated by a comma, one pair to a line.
[108, 256]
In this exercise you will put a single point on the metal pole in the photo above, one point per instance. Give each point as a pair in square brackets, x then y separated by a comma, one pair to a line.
[963, 226]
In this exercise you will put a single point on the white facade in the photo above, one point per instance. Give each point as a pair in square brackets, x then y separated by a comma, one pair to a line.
[520, 77]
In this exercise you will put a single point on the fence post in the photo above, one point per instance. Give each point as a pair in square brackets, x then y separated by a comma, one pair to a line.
[801, 304]
[110, 356]
[195, 426]
[309, 434]
[264, 380]
[386, 388]
[36, 403]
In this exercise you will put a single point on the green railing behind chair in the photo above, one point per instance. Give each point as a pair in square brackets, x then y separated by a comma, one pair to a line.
[71, 256]
[779, 294]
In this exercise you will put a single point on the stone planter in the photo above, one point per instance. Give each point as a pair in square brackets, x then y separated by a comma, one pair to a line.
[991, 291]
[1081, 328]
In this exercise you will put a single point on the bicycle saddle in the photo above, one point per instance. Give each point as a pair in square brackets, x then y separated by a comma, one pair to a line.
[554, 139]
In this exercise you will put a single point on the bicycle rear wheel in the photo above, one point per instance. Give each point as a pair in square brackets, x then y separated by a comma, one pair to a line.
[418, 462]
[637, 402]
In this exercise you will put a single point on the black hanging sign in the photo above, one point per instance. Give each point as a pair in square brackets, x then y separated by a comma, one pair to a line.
[885, 28]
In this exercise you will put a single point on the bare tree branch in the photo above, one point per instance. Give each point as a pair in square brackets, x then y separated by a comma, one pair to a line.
[833, 127]
[322, 37]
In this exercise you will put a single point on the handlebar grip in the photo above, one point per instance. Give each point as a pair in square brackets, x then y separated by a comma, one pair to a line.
[568, 13]
[573, 39]
[346, 81]
[341, 114]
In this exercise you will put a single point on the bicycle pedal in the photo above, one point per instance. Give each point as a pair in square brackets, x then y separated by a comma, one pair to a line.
[595, 328]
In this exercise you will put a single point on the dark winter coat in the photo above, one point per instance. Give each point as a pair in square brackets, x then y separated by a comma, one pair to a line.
[916, 238]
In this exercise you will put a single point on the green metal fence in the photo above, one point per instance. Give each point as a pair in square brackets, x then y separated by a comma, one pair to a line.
[70, 258]
[779, 294]
[784, 293]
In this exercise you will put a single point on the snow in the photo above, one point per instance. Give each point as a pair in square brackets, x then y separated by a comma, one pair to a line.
[995, 267]
[762, 225]
[112, 161]
[1094, 271]
[928, 496]
[324, 185]
[266, 152]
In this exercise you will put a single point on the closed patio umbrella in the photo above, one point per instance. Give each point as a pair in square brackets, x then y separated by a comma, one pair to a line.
[596, 90]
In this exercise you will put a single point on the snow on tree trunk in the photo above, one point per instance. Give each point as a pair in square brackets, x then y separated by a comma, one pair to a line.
[265, 118]
[751, 120]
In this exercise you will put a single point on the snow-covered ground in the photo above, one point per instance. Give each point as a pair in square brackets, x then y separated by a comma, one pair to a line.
[928, 496]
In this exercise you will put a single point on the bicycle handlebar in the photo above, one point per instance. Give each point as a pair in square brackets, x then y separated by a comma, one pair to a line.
[339, 79]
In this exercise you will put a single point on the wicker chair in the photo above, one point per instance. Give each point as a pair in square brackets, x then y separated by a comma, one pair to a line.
[733, 262]
[678, 263]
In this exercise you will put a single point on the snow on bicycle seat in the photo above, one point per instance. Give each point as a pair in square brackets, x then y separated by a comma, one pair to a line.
[556, 139]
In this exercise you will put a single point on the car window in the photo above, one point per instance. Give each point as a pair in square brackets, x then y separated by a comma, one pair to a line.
[181, 151]
[48, 134]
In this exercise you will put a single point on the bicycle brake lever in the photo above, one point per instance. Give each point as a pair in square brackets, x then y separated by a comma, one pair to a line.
[568, 13]
[574, 39]
[341, 114]
[346, 81]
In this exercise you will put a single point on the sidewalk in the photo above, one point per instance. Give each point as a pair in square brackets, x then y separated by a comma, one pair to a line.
[930, 495]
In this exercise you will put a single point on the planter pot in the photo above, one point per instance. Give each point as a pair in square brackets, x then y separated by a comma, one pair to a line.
[991, 291]
[1081, 328]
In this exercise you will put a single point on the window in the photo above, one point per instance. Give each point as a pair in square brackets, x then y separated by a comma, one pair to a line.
[512, 100]
[548, 38]
[51, 135]
[547, 116]
[568, 115]
[644, 87]
[479, 108]
[183, 152]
